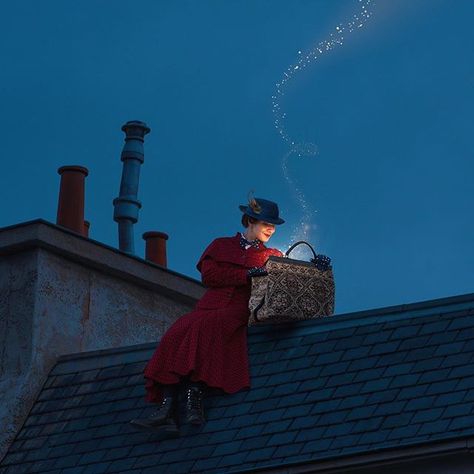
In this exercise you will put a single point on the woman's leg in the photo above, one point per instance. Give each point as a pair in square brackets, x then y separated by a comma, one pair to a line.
[194, 393]
[165, 417]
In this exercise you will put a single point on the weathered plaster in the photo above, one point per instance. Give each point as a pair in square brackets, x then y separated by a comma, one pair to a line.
[59, 298]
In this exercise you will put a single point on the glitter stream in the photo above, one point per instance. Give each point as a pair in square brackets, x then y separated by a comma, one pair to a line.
[336, 38]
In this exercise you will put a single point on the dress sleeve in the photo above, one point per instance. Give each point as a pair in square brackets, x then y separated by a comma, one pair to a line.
[219, 274]
[215, 273]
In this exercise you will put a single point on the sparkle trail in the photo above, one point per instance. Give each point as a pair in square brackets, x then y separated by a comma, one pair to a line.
[304, 60]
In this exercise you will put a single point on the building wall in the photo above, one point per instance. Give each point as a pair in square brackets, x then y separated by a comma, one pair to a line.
[52, 304]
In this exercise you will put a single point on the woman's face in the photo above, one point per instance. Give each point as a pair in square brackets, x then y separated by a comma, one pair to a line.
[260, 230]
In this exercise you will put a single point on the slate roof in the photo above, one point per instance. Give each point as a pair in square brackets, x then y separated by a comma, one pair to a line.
[354, 383]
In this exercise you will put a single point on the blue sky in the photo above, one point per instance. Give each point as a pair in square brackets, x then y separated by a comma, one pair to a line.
[390, 112]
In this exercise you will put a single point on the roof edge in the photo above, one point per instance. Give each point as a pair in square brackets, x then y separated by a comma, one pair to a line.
[107, 352]
[378, 457]
[459, 304]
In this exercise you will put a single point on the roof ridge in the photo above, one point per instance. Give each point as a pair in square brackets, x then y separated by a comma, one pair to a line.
[358, 318]
[388, 313]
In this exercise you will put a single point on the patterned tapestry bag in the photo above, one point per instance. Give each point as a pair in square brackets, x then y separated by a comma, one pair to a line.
[293, 290]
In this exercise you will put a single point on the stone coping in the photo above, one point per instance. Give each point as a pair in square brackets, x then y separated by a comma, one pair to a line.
[40, 233]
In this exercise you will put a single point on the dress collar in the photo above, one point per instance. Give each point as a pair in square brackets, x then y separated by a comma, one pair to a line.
[246, 244]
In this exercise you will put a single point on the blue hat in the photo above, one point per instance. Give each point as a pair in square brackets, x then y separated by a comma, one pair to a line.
[262, 210]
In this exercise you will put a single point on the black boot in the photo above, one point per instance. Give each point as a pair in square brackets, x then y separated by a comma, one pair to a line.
[164, 418]
[194, 405]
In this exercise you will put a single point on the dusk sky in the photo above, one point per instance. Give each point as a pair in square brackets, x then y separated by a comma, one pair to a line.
[390, 110]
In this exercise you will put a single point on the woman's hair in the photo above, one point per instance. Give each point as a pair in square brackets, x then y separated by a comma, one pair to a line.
[246, 220]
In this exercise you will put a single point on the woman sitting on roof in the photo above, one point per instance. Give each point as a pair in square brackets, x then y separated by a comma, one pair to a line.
[208, 347]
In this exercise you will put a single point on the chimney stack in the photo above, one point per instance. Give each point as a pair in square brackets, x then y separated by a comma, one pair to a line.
[126, 206]
[71, 198]
[87, 226]
[155, 249]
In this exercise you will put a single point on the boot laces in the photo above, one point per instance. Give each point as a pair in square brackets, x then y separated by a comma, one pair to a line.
[159, 410]
[194, 399]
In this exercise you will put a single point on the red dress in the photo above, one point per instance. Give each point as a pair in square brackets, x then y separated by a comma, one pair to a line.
[209, 344]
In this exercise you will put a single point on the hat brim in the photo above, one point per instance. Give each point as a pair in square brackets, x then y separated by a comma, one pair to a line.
[246, 210]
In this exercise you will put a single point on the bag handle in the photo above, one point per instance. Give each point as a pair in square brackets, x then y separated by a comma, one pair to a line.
[299, 243]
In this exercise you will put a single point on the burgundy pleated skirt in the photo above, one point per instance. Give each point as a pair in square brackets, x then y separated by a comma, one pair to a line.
[207, 345]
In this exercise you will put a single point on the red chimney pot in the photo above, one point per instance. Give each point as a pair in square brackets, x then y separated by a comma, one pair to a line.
[155, 249]
[71, 198]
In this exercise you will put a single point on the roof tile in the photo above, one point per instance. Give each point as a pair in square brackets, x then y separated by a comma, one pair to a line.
[434, 376]
[286, 450]
[260, 454]
[361, 412]
[465, 322]
[461, 423]
[276, 426]
[400, 419]
[404, 380]
[271, 415]
[444, 386]
[466, 333]
[146, 461]
[354, 401]
[372, 437]
[382, 396]
[434, 427]
[452, 348]
[437, 327]
[448, 398]
[364, 363]
[401, 432]
[375, 385]
[356, 353]
[284, 438]
[297, 411]
[227, 448]
[369, 374]
[313, 383]
[420, 403]
[304, 422]
[405, 332]
[248, 431]
[316, 392]
[203, 465]
[329, 357]
[369, 424]
[67, 461]
[233, 459]
[344, 441]
[457, 359]
[461, 409]
[123, 464]
[427, 415]
[285, 389]
[348, 343]
[311, 434]
[316, 446]
[333, 369]
[255, 407]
